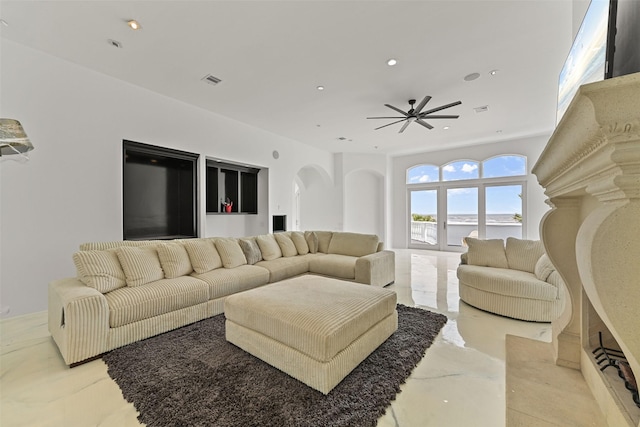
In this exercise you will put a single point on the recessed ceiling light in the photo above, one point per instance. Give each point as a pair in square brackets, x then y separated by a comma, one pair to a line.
[493, 72]
[446, 128]
[391, 62]
[134, 25]
[472, 76]
[320, 87]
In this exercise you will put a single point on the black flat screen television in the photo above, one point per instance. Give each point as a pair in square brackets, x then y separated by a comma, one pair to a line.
[606, 46]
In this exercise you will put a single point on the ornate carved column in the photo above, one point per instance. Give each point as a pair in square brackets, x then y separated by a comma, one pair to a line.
[590, 170]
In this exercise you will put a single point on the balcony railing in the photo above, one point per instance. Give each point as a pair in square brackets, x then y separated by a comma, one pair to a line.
[427, 232]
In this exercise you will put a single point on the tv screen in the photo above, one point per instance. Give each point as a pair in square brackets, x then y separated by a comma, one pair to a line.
[586, 62]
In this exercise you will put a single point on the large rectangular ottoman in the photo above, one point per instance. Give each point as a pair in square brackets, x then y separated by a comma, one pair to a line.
[316, 329]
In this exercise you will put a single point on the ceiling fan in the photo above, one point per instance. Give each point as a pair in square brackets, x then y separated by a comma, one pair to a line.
[416, 114]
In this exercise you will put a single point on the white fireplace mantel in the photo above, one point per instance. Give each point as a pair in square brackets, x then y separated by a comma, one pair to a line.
[590, 170]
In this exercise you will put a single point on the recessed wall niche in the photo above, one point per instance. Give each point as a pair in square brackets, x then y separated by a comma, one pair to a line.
[231, 188]
[159, 192]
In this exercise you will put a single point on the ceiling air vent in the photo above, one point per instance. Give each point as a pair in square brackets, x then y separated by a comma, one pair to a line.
[482, 109]
[212, 80]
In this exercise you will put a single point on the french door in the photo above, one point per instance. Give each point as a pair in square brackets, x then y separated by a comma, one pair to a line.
[442, 215]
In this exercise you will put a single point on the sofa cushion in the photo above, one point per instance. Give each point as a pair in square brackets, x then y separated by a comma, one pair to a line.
[312, 241]
[487, 253]
[203, 255]
[100, 270]
[269, 247]
[224, 281]
[103, 246]
[504, 281]
[174, 260]
[286, 267]
[251, 250]
[230, 253]
[297, 237]
[140, 264]
[353, 244]
[287, 247]
[341, 266]
[132, 304]
[324, 240]
[523, 254]
[543, 268]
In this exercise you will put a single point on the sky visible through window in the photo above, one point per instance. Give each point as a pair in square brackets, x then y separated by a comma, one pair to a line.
[501, 200]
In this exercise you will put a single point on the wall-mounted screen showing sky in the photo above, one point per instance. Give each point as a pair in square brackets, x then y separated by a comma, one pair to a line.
[586, 60]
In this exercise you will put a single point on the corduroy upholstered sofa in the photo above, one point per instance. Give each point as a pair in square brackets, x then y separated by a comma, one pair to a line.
[126, 291]
[517, 281]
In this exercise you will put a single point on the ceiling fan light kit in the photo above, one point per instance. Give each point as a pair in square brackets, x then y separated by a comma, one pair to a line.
[417, 115]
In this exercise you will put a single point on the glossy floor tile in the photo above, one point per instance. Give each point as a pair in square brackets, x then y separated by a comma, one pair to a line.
[460, 381]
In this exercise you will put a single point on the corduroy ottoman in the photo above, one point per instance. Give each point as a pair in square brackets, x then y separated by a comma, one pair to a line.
[315, 329]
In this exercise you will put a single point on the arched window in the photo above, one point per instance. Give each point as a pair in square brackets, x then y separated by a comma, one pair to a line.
[422, 174]
[461, 169]
[504, 166]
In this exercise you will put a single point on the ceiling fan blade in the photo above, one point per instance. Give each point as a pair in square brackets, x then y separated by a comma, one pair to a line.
[438, 117]
[433, 110]
[422, 104]
[389, 124]
[404, 126]
[425, 124]
[386, 117]
[396, 109]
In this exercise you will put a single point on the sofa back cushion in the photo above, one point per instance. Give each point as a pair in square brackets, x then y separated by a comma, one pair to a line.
[543, 268]
[486, 253]
[203, 255]
[523, 254]
[140, 264]
[250, 249]
[353, 244]
[287, 247]
[230, 253]
[312, 241]
[103, 246]
[269, 247]
[300, 242]
[100, 270]
[174, 260]
[324, 240]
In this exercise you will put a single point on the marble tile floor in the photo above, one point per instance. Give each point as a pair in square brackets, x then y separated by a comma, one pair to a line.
[460, 381]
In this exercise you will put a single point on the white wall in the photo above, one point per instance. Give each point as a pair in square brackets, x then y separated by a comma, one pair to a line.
[364, 193]
[529, 147]
[364, 202]
[71, 189]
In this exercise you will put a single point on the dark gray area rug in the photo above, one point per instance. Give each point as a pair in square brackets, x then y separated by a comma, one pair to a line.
[193, 377]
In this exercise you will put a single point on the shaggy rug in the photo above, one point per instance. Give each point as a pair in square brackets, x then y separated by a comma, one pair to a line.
[193, 377]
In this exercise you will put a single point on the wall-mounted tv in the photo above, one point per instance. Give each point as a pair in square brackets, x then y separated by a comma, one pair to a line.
[606, 46]
[586, 61]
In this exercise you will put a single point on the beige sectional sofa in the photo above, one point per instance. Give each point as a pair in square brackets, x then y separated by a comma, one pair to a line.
[126, 291]
[517, 280]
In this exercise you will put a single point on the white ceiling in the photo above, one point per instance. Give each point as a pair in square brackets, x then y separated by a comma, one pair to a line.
[271, 56]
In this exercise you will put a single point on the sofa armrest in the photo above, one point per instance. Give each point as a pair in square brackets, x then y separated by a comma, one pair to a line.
[464, 258]
[556, 280]
[78, 320]
[377, 269]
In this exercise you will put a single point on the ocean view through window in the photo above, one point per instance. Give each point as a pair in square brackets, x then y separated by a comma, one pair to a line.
[466, 198]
